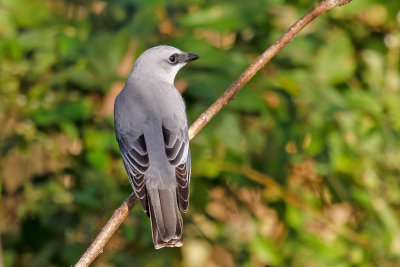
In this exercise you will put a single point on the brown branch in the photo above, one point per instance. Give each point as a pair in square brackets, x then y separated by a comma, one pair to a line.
[107, 232]
[260, 62]
[120, 214]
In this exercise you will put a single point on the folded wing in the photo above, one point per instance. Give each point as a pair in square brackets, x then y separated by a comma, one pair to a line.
[136, 160]
[178, 154]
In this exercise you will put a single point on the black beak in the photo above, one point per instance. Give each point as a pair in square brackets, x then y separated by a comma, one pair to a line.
[190, 57]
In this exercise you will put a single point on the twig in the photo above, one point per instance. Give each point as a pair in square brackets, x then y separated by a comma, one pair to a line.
[123, 211]
[260, 62]
[108, 230]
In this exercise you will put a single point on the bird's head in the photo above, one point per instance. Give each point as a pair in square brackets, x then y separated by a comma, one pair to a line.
[162, 62]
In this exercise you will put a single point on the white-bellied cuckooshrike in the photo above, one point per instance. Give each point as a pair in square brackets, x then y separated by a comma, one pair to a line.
[152, 133]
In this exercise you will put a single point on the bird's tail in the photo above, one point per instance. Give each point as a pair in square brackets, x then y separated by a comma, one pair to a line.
[166, 219]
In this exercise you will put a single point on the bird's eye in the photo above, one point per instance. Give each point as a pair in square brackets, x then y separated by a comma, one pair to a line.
[172, 59]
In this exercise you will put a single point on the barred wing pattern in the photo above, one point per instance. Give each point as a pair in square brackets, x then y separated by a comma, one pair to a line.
[178, 155]
[136, 161]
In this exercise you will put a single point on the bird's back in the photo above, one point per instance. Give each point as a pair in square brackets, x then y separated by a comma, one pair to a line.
[151, 129]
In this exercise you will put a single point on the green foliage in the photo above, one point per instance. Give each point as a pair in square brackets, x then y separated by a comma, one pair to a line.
[301, 169]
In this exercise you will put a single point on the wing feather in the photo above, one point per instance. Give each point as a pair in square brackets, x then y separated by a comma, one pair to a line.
[177, 151]
[136, 160]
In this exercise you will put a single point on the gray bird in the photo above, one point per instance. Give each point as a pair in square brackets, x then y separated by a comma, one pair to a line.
[152, 133]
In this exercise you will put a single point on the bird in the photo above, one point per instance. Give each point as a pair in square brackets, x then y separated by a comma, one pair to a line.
[152, 133]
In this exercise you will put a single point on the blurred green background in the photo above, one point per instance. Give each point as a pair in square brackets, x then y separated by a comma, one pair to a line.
[301, 169]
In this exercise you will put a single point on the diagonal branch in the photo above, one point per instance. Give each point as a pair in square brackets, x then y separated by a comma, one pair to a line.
[260, 62]
[122, 212]
[107, 232]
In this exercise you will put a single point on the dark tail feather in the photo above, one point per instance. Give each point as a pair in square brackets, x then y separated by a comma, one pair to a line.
[166, 220]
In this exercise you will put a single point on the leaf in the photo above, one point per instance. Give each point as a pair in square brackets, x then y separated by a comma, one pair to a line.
[98, 159]
[265, 251]
[248, 100]
[229, 133]
[335, 62]
[28, 13]
[221, 17]
[68, 111]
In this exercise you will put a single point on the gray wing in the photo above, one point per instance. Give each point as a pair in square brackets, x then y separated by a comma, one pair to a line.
[178, 154]
[128, 119]
[136, 160]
